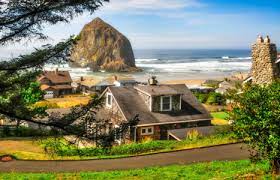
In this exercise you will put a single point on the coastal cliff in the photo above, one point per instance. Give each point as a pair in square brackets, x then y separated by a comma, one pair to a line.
[102, 47]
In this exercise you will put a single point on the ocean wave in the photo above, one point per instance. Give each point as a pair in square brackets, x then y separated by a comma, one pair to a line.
[146, 60]
[207, 66]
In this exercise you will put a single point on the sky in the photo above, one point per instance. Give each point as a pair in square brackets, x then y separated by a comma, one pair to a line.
[179, 24]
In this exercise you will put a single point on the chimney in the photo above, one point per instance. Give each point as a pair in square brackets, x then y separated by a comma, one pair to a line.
[56, 71]
[115, 77]
[267, 40]
[264, 55]
[82, 78]
[260, 39]
[152, 81]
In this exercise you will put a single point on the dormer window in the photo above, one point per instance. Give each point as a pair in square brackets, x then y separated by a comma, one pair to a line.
[109, 100]
[166, 103]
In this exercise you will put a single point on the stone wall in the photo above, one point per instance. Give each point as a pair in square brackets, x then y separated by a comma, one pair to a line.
[264, 68]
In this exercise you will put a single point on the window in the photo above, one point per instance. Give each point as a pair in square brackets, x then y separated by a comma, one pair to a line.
[109, 100]
[147, 130]
[166, 103]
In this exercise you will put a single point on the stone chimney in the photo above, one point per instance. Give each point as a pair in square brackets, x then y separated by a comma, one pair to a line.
[264, 68]
[82, 78]
[56, 71]
[115, 77]
[152, 81]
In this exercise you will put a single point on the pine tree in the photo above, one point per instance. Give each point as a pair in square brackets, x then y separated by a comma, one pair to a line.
[25, 20]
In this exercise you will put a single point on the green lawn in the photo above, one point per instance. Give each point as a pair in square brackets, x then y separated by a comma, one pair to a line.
[243, 169]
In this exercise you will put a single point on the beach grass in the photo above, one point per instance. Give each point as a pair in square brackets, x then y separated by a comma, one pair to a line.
[242, 169]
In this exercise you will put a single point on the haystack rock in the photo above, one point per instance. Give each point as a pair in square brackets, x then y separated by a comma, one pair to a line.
[102, 47]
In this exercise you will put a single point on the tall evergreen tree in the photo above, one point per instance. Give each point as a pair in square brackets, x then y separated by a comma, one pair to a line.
[25, 20]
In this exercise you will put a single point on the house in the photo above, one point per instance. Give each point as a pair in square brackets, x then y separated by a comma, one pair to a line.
[89, 85]
[200, 89]
[160, 108]
[225, 86]
[124, 82]
[55, 83]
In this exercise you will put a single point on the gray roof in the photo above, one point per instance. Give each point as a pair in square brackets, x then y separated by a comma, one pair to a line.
[159, 90]
[131, 104]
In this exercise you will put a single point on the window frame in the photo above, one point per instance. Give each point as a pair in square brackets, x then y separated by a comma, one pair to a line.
[147, 130]
[170, 103]
[107, 99]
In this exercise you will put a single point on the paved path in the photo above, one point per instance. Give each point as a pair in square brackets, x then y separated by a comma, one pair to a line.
[224, 152]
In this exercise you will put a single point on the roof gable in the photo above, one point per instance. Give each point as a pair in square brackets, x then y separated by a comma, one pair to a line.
[56, 76]
[131, 104]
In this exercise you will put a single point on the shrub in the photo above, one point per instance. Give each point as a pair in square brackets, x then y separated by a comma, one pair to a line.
[216, 99]
[202, 98]
[193, 134]
[6, 131]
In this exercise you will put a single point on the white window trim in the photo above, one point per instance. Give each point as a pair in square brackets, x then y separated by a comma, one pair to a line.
[180, 102]
[146, 128]
[161, 103]
[109, 94]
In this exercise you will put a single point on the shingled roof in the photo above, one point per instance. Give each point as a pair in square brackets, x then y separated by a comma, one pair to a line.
[56, 76]
[131, 104]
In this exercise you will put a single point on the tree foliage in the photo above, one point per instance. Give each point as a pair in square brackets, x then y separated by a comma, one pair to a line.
[257, 120]
[25, 20]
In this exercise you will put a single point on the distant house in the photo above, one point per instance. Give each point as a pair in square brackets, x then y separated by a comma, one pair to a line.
[200, 89]
[55, 83]
[89, 85]
[225, 86]
[124, 82]
[160, 108]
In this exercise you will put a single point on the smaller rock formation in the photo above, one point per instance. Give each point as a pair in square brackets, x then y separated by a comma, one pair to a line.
[264, 68]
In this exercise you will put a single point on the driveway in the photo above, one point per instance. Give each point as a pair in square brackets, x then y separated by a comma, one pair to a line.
[216, 153]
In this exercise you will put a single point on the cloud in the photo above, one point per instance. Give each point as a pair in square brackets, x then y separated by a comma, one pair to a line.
[144, 5]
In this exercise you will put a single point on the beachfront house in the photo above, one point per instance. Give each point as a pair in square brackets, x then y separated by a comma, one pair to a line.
[160, 108]
[55, 83]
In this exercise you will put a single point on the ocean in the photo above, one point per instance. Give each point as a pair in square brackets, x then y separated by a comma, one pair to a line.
[180, 64]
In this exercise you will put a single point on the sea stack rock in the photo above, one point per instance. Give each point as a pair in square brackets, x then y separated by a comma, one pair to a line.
[102, 47]
[264, 68]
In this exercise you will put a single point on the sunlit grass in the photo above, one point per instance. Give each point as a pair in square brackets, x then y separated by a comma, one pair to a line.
[242, 169]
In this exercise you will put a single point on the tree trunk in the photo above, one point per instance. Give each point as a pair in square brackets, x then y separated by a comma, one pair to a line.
[275, 166]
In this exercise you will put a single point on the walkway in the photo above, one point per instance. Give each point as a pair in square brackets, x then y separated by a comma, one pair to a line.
[223, 152]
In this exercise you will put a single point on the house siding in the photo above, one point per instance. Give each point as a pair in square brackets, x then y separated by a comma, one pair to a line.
[114, 112]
